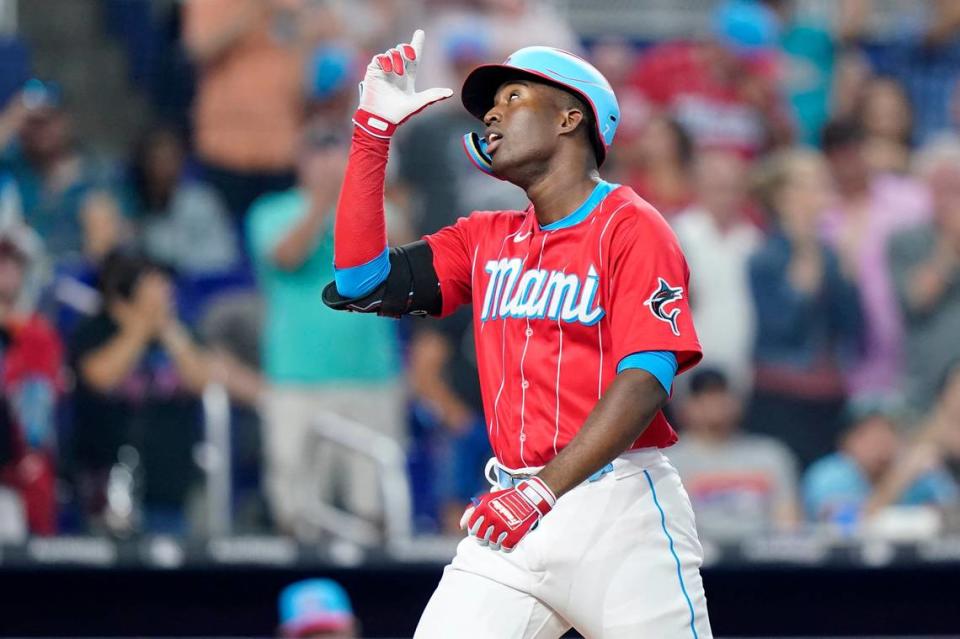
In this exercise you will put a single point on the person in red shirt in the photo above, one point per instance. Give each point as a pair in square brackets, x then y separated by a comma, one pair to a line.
[663, 171]
[722, 90]
[581, 322]
[31, 358]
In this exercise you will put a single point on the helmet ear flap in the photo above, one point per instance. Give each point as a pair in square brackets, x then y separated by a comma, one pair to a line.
[476, 149]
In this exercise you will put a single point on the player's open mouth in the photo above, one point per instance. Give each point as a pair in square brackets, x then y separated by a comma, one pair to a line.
[493, 141]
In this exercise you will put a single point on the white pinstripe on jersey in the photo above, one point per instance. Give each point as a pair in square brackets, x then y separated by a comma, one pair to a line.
[503, 353]
[599, 329]
[523, 380]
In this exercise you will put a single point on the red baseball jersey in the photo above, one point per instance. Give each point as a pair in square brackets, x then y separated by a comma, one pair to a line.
[556, 309]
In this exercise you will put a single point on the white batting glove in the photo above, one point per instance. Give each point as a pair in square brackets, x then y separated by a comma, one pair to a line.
[387, 94]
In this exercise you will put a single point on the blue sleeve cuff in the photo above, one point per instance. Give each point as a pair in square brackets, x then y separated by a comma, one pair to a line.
[358, 281]
[660, 364]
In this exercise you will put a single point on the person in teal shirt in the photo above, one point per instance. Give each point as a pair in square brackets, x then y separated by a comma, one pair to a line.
[315, 359]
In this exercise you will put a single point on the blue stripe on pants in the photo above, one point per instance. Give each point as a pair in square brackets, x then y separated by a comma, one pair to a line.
[663, 524]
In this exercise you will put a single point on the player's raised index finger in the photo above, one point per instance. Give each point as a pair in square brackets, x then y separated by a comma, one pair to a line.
[417, 42]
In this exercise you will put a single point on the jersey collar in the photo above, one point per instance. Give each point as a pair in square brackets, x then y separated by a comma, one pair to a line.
[582, 212]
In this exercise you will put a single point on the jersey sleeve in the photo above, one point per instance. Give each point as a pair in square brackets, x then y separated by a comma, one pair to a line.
[452, 248]
[647, 301]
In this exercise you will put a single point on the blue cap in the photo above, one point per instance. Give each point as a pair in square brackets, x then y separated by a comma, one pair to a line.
[746, 26]
[38, 94]
[314, 605]
[332, 67]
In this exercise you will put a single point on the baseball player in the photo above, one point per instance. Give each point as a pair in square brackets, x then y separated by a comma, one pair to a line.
[581, 323]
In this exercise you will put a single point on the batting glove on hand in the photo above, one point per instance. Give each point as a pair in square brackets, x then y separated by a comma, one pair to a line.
[502, 518]
[387, 95]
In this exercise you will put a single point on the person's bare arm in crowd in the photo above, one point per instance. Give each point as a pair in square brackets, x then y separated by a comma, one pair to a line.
[852, 17]
[243, 382]
[293, 250]
[148, 316]
[786, 515]
[207, 40]
[11, 119]
[930, 280]
[429, 354]
[139, 320]
[920, 458]
[944, 23]
[105, 367]
[191, 362]
[925, 453]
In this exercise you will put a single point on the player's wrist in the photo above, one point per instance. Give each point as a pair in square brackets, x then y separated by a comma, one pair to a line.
[539, 494]
[373, 125]
[554, 481]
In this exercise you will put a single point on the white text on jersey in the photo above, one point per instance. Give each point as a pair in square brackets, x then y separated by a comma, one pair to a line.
[539, 293]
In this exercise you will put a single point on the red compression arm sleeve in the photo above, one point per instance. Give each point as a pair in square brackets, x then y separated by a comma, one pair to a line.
[360, 231]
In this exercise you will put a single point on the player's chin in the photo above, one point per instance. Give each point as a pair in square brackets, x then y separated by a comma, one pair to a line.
[504, 166]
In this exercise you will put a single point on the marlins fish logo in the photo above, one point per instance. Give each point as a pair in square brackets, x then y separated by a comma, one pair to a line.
[661, 297]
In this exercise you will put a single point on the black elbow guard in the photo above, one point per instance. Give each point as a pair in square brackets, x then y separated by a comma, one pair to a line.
[411, 288]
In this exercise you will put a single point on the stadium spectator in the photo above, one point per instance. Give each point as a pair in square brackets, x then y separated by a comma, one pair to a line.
[31, 359]
[852, 73]
[11, 217]
[718, 241]
[183, 223]
[519, 23]
[941, 431]
[657, 164]
[740, 485]
[723, 90]
[446, 389]
[506, 25]
[925, 262]
[887, 119]
[440, 185]
[10, 207]
[139, 374]
[924, 56]
[66, 195]
[873, 469]
[808, 315]
[870, 207]
[616, 57]
[231, 328]
[332, 70]
[316, 608]
[250, 95]
[808, 46]
[316, 360]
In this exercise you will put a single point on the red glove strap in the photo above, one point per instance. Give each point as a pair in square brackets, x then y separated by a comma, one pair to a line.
[374, 124]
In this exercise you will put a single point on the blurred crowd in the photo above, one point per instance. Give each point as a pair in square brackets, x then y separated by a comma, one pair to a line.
[810, 172]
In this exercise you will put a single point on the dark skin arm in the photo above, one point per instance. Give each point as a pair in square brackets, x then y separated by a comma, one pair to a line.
[618, 419]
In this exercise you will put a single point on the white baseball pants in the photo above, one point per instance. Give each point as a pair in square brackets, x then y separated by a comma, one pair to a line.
[616, 558]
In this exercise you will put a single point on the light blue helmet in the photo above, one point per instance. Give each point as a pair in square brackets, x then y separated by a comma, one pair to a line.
[552, 66]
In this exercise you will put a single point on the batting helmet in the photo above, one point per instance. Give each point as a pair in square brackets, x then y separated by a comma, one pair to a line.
[551, 66]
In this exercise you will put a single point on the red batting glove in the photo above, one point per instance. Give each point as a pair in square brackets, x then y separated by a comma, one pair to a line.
[502, 518]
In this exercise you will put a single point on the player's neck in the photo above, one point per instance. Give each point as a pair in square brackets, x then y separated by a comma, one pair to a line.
[558, 194]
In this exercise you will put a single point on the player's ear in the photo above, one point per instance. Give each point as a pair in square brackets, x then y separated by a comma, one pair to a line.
[570, 119]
